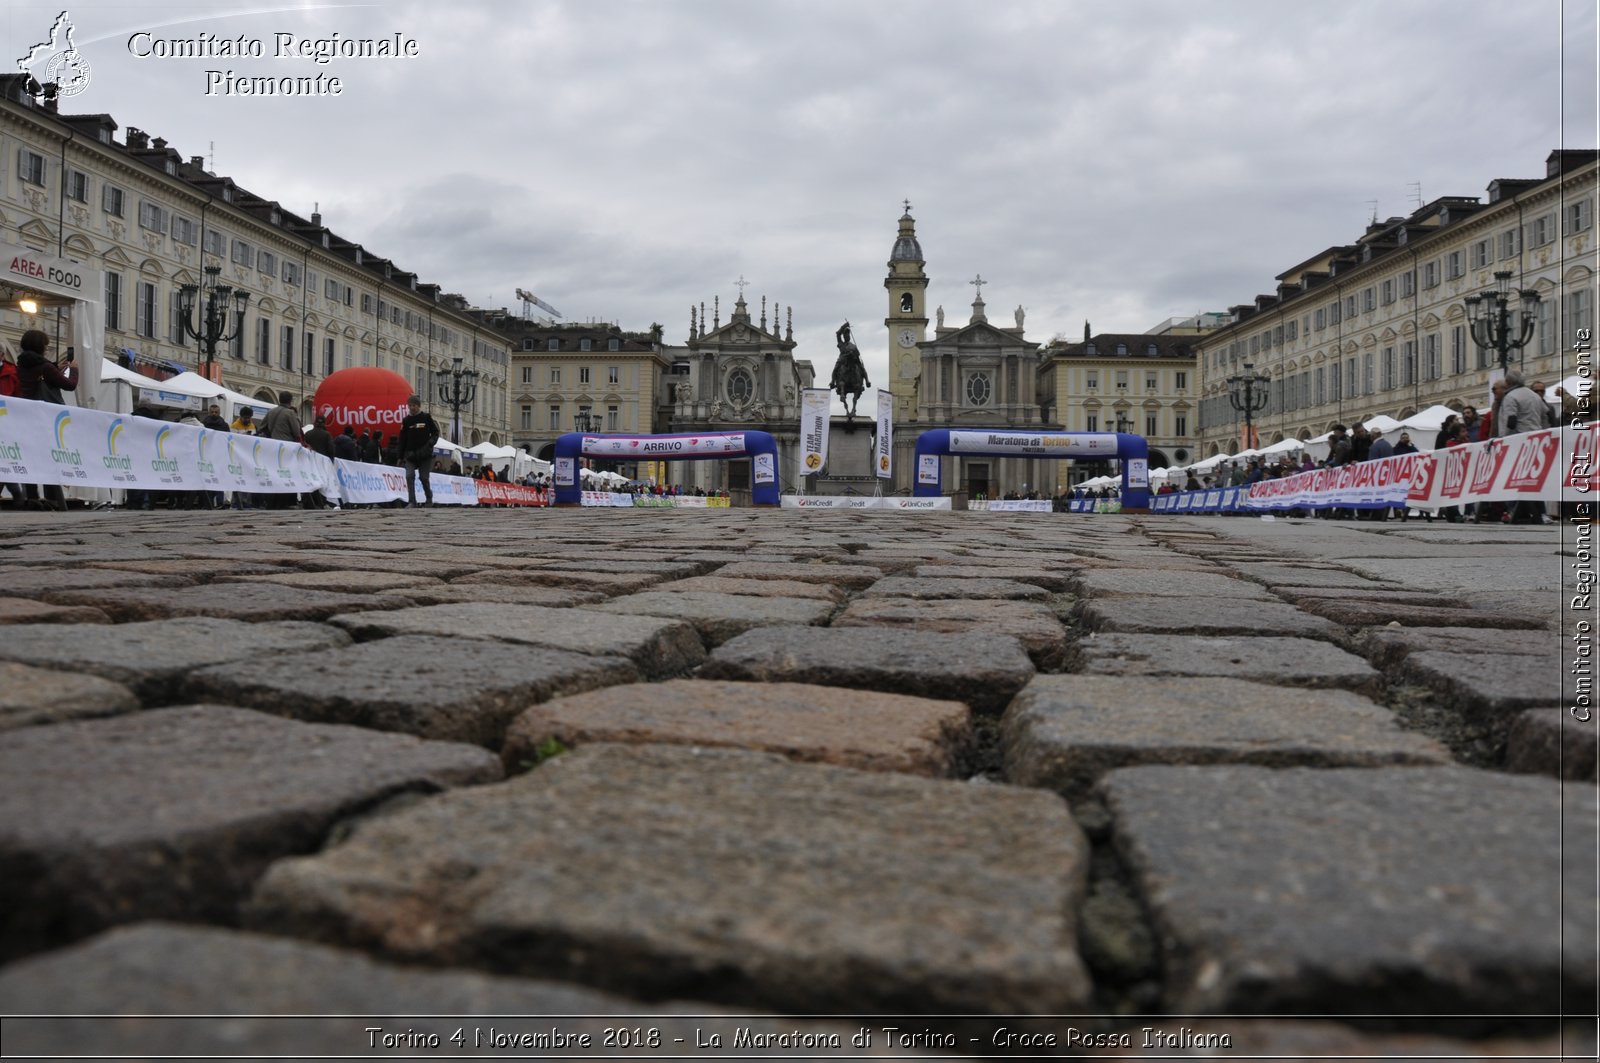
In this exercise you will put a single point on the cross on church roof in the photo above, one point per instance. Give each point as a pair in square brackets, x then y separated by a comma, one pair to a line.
[741, 284]
[978, 282]
[908, 206]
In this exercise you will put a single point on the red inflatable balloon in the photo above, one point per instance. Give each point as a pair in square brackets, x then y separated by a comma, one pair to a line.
[364, 398]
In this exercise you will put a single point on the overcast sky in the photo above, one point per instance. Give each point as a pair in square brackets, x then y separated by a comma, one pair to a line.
[1119, 162]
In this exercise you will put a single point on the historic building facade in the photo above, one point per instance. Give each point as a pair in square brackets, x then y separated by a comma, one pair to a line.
[1380, 326]
[152, 221]
[580, 377]
[734, 377]
[977, 375]
[1125, 382]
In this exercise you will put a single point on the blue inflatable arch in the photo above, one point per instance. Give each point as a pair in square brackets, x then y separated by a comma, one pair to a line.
[759, 447]
[1131, 450]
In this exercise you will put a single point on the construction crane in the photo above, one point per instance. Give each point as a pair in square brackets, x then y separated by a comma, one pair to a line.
[529, 301]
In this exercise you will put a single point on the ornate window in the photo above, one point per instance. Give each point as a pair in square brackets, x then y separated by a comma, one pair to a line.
[741, 387]
[978, 389]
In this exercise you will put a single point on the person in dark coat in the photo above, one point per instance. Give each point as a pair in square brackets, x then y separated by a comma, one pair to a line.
[345, 447]
[42, 380]
[319, 441]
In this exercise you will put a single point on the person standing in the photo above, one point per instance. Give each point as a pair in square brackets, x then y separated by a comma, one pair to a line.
[40, 379]
[371, 446]
[1521, 410]
[320, 442]
[213, 421]
[418, 434]
[281, 423]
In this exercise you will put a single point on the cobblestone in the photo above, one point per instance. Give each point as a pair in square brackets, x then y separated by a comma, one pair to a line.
[828, 725]
[724, 873]
[870, 800]
[173, 813]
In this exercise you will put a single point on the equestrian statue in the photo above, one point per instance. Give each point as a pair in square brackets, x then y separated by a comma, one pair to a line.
[849, 373]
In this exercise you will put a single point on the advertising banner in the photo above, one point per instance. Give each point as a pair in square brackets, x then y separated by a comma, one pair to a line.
[712, 444]
[1036, 444]
[765, 468]
[566, 472]
[1016, 505]
[909, 505]
[43, 443]
[928, 469]
[360, 483]
[883, 465]
[813, 431]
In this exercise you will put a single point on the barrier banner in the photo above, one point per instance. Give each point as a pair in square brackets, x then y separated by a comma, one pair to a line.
[611, 499]
[813, 453]
[1535, 466]
[883, 465]
[1015, 505]
[362, 484]
[499, 494]
[43, 443]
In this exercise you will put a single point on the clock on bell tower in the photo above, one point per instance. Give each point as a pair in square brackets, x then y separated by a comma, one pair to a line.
[908, 320]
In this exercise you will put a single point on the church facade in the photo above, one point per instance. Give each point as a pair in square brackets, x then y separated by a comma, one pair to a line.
[734, 377]
[973, 376]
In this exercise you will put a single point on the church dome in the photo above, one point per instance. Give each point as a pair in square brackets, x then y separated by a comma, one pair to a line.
[906, 248]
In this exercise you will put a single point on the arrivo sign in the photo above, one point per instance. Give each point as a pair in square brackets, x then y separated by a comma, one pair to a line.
[364, 398]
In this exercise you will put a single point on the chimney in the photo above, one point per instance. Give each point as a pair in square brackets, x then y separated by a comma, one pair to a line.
[159, 144]
[136, 139]
[316, 219]
[197, 161]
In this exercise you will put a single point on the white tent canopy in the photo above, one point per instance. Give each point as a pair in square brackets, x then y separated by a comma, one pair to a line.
[1381, 423]
[1577, 386]
[1283, 446]
[1430, 420]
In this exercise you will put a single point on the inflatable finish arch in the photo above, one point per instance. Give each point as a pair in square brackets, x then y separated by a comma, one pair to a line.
[1131, 450]
[759, 447]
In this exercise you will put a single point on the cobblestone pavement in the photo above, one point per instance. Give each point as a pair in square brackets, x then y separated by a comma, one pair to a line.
[1131, 783]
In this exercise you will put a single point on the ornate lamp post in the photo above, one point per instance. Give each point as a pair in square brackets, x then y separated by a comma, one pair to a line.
[586, 422]
[456, 387]
[1248, 394]
[1491, 319]
[210, 324]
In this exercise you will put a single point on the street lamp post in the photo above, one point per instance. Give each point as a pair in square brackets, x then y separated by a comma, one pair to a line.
[1491, 318]
[1248, 394]
[456, 387]
[208, 323]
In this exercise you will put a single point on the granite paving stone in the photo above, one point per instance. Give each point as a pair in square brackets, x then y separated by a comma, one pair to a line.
[1552, 742]
[30, 696]
[173, 813]
[30, 611]
[719, 617]
[1166, 615]
[451, 689]
[1032, 624]
[343, 581]
[450, 593]
[37, 582]
[1387, 646]
[1489, 686]
[1350, 613]
[233, 601]
[659, 646]
[1300, 575]
[205, 570]
[922, 587]
[1064, 732]
[402, 564]
[718, 874]
[1052, 578]
[1268, 659]
[763, 588]
[980, 669]
[1379, 891]
[851, 577]
[830, 725]
[152, 657]
[1142, 582]
[1305, 595]
[578, 578]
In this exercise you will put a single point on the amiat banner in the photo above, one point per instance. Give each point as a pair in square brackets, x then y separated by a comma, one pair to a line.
[43, 443]
[813, 454]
